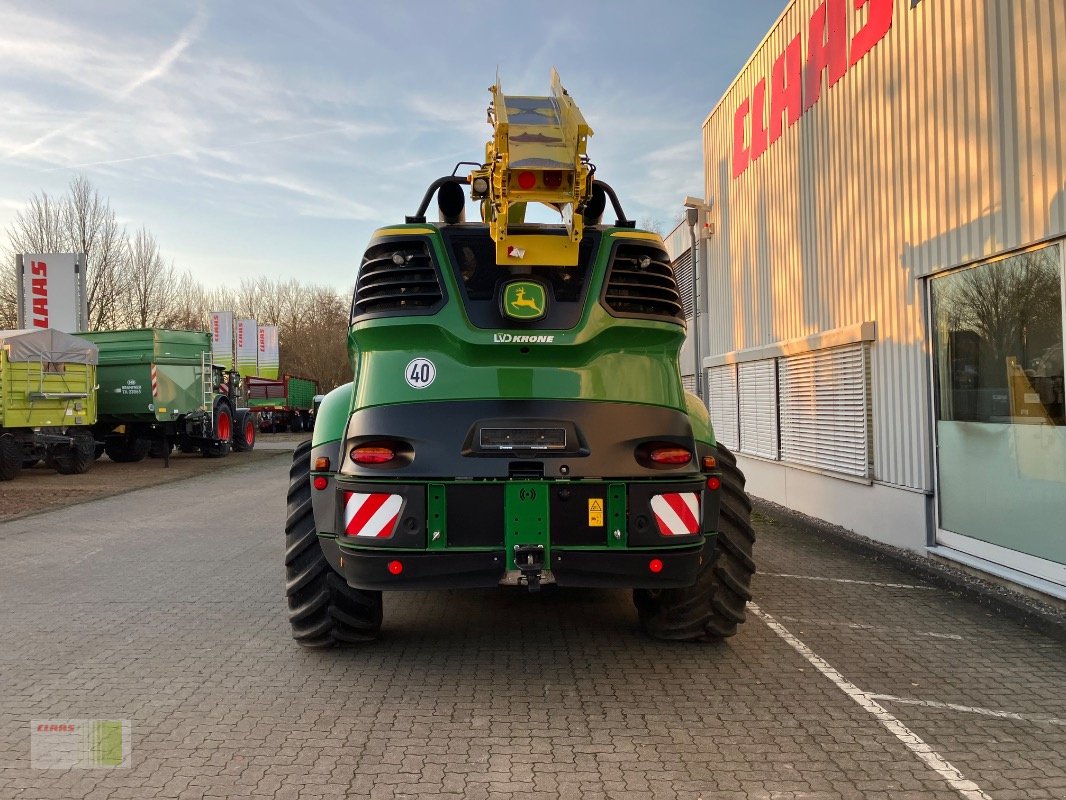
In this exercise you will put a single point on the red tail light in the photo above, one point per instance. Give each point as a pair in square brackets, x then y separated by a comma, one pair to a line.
[714, 484]
[526, 180]
[395, 567]
[655, 565]
[553, 179]
[674, 456]
[373, 454]
[321, 483]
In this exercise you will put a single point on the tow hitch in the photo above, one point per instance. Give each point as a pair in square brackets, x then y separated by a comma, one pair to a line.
[529, 559]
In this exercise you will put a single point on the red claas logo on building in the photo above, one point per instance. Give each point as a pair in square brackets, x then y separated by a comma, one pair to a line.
[214, 328]
[240, 336]
[39, 292]
[262, 341]
[796, 83]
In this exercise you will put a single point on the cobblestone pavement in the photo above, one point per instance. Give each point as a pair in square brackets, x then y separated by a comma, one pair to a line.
[164, 607]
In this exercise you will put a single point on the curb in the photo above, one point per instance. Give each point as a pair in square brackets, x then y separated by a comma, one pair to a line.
[1000, 598]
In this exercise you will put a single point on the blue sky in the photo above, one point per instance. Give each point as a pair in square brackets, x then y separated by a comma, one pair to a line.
[271, 138]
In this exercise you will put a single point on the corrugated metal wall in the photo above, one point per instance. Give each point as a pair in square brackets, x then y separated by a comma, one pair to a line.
[946, 143]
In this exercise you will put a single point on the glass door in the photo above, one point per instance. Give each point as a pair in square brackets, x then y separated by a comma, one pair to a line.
[1000, 421]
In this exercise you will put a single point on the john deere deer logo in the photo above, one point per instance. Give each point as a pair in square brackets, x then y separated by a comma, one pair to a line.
[524, 300]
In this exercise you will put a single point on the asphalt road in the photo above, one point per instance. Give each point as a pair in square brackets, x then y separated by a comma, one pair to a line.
[164, 607]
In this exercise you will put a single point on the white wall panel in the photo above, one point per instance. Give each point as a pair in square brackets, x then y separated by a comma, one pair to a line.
[945, 144]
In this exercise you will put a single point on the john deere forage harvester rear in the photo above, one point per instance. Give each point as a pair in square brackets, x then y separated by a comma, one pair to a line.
[517, 415]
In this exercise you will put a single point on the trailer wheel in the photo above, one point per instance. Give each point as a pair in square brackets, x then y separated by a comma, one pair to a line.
[296, 423]
[10, 458]
[76, 458]
[324, 611]
[714, 607]
[126, 449]
[244, 432]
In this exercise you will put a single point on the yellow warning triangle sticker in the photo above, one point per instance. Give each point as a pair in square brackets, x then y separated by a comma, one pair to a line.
[595, 504]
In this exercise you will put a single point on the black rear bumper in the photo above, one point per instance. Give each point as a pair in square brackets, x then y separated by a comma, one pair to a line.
[606, 568]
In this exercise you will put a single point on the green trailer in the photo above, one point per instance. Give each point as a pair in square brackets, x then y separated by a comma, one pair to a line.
[287, 403]
[47, 401]
[159, 388]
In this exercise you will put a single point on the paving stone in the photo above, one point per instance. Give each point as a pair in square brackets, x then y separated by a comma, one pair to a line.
[178, 624]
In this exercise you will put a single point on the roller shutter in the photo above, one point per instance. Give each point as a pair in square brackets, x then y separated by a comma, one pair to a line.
[757, 389]
[722, 399]
[825, 410]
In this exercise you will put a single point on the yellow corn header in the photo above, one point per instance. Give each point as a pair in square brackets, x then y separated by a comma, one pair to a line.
[536, 155]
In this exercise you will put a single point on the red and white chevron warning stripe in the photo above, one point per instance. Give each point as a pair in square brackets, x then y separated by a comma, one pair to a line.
[155, 382]
[371, 515]
[677, 513]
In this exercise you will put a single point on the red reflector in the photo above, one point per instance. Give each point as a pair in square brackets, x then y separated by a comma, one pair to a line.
[526, 180]
[713, 484]
[553, 179]
[321, 483]
[655, 565]
[395, 567]
[670, 455]
[372, 455]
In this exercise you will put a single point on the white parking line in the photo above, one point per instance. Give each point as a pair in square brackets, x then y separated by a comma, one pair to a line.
[944, 768]
[856, 626]
[844, 580]
[986, 712]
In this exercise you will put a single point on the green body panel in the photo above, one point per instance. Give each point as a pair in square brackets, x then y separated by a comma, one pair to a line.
[526, 519]
[617, 529]
[436, 517]
[332, 417]
[602, 358]
[125, 373]
[700, 417]
[32, 396]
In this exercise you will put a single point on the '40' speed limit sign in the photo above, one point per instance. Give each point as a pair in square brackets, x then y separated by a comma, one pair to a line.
[420, 373]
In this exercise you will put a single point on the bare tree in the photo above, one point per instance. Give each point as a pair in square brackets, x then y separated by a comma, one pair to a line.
[191, 304]
[314, 342]
[39, 228]
[80, 222]
[150, 283]
[1006, 303]
[91, 228]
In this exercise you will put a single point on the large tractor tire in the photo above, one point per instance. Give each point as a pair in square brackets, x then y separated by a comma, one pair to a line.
[245, 431]
[126, 449]
[223, 432]
[10, 458]
[76, 458]
[324, 611]
[714, 607]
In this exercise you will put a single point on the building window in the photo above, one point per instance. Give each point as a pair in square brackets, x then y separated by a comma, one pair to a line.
[1001, 431]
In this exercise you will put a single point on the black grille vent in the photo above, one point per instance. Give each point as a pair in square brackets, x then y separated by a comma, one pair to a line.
[398, 277]
[641, 284]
